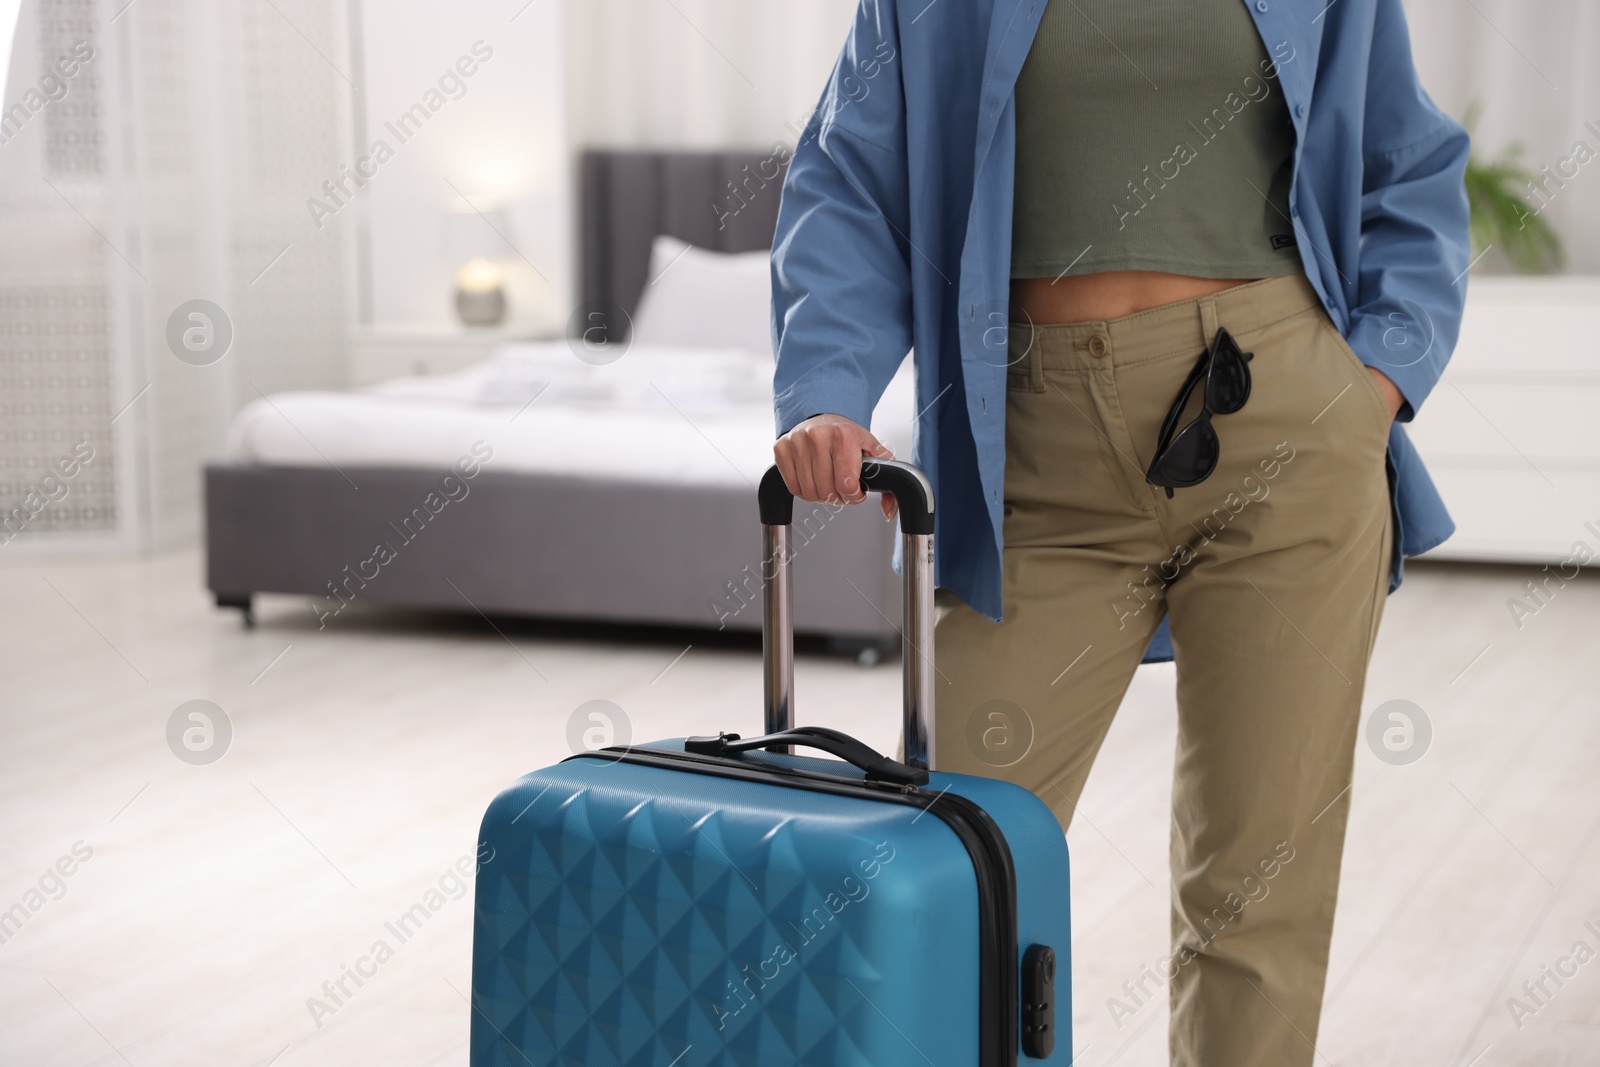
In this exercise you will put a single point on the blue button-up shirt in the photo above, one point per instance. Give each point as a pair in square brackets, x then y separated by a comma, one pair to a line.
[895, 235]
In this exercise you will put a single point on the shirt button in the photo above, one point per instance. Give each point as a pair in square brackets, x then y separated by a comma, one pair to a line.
[1261, 5]
[1099, 344]
[1300, 109]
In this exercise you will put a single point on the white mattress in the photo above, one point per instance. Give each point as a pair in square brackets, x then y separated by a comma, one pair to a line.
[670, 415]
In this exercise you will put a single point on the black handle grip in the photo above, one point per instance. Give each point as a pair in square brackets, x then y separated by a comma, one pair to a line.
[877, 766]
[909, 487]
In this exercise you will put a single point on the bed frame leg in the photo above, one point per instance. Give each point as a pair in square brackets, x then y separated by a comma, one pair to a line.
[244, 602]
[867, 652]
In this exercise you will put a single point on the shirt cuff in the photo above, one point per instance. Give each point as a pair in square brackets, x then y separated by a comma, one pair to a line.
[1409, 364]
[802, 400]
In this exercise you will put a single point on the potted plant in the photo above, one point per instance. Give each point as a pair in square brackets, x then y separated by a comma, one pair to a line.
[1501, 217]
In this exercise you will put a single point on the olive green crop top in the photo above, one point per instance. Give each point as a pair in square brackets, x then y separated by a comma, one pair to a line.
[1152, 136]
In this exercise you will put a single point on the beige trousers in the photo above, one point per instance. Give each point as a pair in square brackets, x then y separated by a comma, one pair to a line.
[1273, 572]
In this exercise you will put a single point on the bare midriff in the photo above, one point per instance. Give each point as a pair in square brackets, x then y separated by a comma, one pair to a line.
[1106, 294]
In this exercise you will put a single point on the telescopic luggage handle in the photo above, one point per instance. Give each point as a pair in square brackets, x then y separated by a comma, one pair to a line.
[914, 495]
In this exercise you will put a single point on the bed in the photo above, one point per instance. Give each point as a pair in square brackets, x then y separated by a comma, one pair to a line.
[569, 480]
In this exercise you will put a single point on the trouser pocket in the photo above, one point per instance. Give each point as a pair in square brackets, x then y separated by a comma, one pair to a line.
[1365, 381]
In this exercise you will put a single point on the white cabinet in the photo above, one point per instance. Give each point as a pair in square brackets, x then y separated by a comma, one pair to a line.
[1511, 433]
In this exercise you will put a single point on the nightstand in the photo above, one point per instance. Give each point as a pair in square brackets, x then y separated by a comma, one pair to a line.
[378, 353]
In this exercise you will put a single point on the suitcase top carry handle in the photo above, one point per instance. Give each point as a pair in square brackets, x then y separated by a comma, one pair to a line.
[914, 495]
[909, 487]
[878, 767]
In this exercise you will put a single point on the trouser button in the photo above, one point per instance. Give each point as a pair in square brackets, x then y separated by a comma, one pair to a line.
[1100, 345]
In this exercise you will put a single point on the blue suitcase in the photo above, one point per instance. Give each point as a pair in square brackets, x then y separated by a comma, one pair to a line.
[718, 901]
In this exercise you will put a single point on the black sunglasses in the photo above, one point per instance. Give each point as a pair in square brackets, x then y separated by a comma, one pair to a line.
[1187, 457]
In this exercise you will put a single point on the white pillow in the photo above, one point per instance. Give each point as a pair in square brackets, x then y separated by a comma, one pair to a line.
[696, 298]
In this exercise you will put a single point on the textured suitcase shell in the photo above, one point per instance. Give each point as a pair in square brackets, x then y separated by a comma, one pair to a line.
[732, 905]
[648, 916]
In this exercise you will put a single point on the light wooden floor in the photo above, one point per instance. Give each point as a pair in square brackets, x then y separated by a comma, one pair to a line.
[219, 898]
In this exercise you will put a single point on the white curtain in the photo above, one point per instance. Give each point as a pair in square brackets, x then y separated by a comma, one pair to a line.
[700, 73]
[1531, 65]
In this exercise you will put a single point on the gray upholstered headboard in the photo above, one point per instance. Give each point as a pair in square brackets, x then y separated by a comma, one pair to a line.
[726, 201]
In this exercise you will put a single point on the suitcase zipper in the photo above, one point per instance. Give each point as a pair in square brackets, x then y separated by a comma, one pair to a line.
[985, 844]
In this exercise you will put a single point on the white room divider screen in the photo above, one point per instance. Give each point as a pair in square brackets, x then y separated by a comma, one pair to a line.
[152, 155]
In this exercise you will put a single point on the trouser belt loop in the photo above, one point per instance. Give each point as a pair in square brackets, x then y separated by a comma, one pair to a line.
[1035, 360]
[1208, 321]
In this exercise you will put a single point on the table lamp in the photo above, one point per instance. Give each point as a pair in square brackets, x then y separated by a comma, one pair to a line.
[477, 242]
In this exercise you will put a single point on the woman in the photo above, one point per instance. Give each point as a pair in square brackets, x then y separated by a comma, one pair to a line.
[1174, 273]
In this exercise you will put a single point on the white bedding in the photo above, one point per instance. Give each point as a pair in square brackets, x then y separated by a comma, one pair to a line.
[688, 416]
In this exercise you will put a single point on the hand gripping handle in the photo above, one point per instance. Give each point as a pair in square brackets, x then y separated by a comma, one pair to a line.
[914, 495]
